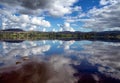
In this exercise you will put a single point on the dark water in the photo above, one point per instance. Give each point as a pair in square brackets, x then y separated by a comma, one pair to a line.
[60, 62]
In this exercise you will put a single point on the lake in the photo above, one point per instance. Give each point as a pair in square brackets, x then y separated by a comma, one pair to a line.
[57, 61]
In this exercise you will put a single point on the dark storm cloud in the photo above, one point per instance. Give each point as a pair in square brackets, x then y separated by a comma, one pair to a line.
[9, 2]
[30, 4]
[34, 7]
[35, 4]
[53, 7]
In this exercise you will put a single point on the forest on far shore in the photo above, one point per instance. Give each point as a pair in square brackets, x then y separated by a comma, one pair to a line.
[18, 34]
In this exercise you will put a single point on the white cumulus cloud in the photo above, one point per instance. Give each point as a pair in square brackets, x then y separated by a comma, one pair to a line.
[105, 18]
[66, 27]
[24, 22]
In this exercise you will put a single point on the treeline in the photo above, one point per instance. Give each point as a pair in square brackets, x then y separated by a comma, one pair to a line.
[36, 35]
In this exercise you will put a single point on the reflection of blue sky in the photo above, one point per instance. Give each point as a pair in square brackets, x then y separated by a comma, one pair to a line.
[38, 50]
[105, 55]
[11, 51]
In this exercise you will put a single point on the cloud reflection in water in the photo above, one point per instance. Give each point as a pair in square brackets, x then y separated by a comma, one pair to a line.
[90, 61]
[106, 56]
[55, 70]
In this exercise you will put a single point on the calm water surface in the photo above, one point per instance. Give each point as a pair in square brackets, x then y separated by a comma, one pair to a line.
[60, 62]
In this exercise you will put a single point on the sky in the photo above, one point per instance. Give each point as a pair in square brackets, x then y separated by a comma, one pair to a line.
[60, 15]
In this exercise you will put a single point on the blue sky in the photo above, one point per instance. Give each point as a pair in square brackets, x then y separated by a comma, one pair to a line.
[60, 15]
